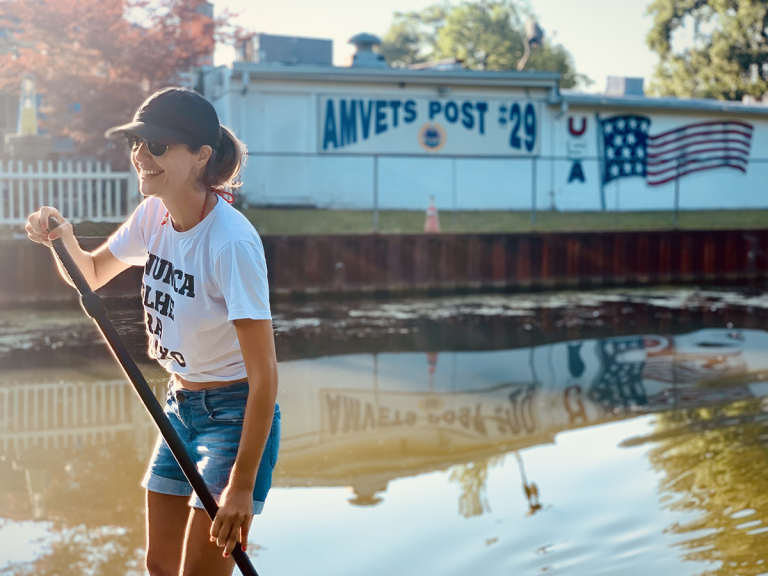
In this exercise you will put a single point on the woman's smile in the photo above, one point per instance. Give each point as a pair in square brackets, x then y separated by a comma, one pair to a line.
[146, 174]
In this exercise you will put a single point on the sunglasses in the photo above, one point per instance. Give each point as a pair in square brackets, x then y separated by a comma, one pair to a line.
[154, 148]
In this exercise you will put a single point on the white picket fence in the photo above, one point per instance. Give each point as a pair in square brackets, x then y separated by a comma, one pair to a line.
[80, 190]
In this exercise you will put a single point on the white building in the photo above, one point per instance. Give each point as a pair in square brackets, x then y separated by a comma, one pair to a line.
[361, 136]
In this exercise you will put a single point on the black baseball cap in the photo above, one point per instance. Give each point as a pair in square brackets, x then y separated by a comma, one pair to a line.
[173, 116]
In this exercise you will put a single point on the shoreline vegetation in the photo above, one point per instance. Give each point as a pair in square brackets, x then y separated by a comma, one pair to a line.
[302, 221]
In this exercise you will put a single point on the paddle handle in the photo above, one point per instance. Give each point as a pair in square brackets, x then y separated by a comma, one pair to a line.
[67, 261]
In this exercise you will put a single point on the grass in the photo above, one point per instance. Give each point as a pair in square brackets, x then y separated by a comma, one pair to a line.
[308, 221]
[277, 221]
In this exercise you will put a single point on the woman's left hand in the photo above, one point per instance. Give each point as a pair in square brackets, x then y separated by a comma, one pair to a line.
[233, 520]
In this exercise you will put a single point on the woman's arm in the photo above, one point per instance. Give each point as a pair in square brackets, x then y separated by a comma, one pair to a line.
[233, 520]
[98, 267]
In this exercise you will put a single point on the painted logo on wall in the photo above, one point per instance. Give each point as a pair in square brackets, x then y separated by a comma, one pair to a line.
[432, 137]
[629, 149]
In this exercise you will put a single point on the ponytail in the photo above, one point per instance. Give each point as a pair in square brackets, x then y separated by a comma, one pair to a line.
[223, 168]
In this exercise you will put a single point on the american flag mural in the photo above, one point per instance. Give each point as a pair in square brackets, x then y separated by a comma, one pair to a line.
[629, 149]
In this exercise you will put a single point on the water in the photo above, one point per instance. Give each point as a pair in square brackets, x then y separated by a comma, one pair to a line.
[573, 433]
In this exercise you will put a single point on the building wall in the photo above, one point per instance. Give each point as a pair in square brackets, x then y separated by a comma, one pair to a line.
[9, 107]
[293, 162]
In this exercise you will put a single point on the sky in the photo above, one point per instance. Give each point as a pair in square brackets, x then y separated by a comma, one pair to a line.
[605, 37]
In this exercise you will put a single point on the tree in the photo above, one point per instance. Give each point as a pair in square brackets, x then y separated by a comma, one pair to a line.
[402, 44]
[728, 55]
[483, 35]
[95, 61]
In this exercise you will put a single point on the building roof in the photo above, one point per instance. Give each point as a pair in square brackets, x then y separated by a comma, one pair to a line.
[510, 79]
[497, 79]
[573, 98]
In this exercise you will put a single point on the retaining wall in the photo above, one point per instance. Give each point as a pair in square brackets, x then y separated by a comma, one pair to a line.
[307, 264]
[398, 263]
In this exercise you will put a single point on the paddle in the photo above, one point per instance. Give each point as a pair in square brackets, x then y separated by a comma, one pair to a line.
[94, 307]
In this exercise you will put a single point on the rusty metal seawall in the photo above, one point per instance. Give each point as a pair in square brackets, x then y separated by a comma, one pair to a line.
[446, 262]
[398, 263]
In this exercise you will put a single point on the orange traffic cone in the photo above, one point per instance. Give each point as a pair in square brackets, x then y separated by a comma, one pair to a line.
[432, 361]
[432, 222]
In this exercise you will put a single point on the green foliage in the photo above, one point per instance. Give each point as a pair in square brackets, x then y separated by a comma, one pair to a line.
[483, 35]
[728, 57]
[555, 58]
[402, 44]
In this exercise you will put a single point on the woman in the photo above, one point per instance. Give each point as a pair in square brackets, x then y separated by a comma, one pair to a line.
[208, 319]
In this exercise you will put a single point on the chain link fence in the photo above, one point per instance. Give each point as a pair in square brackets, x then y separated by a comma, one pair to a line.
[473, 184]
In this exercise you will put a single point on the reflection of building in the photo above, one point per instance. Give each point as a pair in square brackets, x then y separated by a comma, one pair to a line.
[364, 420]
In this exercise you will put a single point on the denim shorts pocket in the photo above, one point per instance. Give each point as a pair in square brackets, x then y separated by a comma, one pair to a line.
[225, 409]
[274, 437]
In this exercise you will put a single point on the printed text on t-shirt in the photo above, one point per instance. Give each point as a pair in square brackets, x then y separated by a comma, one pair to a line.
[161, 269]
[162, 302]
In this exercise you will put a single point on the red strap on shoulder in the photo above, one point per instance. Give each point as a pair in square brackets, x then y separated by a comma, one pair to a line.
[227, 195]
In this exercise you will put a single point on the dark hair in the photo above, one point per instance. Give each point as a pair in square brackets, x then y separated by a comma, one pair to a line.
[223, 168]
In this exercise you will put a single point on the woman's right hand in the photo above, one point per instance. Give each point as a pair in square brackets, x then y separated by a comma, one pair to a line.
[37, 226]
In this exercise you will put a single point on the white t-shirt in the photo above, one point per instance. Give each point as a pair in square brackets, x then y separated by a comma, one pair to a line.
[195, 284]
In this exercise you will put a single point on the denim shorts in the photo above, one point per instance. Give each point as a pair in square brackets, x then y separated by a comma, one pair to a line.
[209, 423]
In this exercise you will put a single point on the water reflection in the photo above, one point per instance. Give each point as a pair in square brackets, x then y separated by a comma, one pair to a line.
[72, 449]
[364, 420]
[714, 462]
[74, 440]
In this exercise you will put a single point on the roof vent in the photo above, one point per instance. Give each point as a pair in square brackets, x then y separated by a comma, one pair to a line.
[365, 57]
[621, 86]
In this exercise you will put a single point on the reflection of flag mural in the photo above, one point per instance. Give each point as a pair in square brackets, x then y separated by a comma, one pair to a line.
[628, 364]
[630, 150]
[620, 381]
[710, 360]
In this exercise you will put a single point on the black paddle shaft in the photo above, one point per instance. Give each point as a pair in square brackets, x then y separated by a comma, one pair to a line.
[94, 307]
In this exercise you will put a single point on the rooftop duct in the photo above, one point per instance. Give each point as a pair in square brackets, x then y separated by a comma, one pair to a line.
[365, 57]
[269, 48]
[622, 86]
